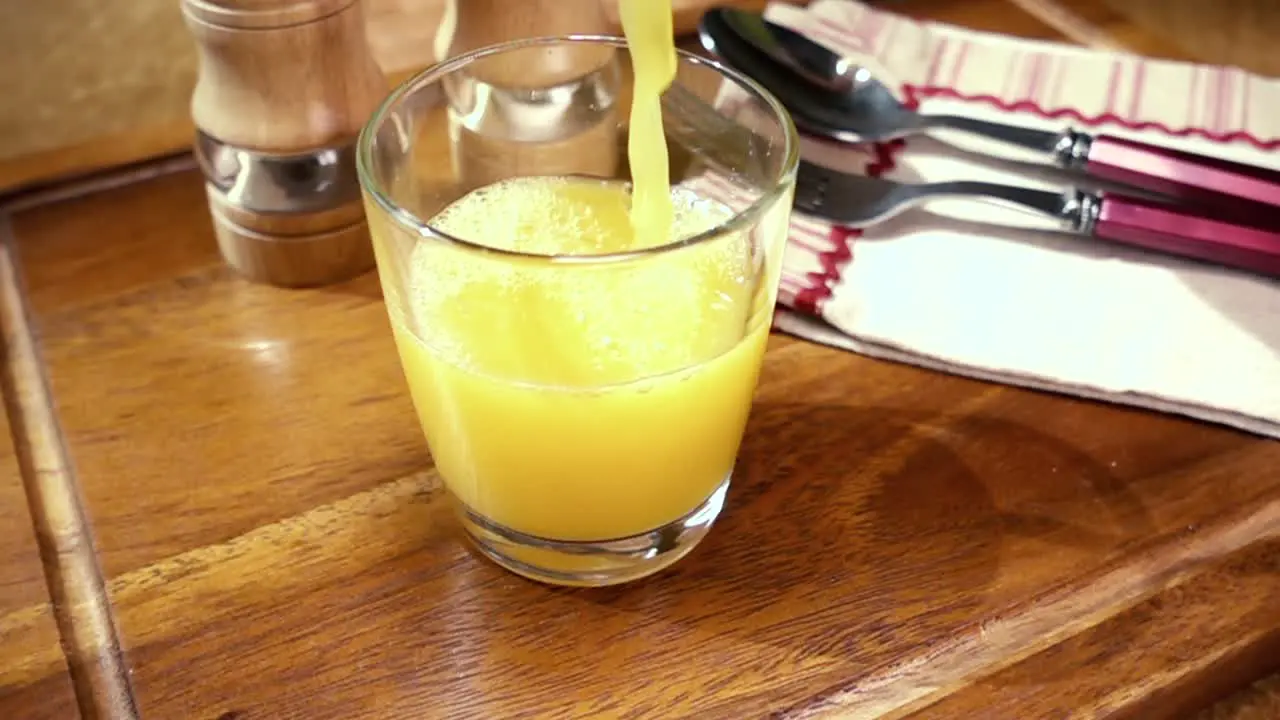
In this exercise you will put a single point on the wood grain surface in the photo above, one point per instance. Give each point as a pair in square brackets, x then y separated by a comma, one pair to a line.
[899, 543]
[24, 600]
[1229, 32]
[78, 599]
[277, 545]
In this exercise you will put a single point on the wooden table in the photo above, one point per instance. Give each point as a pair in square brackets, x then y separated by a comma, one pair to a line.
[240, 520]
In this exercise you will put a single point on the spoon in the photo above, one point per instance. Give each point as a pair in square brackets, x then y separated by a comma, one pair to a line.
[829, 96]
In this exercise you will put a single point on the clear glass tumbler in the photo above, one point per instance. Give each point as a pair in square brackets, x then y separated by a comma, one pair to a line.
[583, 404]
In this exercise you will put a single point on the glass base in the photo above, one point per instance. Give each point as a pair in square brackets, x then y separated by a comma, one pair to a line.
[593, 564]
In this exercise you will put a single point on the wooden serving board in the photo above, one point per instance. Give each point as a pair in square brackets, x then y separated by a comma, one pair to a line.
[273, 541]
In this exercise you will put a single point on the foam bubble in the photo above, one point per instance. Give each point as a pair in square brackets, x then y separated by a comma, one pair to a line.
[571, 323]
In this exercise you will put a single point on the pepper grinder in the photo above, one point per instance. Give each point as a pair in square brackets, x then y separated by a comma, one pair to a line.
[587, 144]
[283, 90]
[471, 24]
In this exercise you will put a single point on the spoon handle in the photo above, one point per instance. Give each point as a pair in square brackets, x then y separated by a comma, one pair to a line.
[1244, 190]
[1046, 147]
[1193, 180]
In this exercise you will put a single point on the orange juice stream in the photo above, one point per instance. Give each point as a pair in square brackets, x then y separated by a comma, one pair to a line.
[577, 402]
[647, 24]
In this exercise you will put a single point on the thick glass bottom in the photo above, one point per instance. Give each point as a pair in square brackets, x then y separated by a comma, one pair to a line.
[598, 563]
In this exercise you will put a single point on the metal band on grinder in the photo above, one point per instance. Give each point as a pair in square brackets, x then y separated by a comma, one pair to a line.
[308, 182]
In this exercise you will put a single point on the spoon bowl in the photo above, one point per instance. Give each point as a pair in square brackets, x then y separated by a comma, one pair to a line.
[828, 96]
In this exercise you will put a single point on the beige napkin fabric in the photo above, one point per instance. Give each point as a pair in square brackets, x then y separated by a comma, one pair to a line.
[976, 289]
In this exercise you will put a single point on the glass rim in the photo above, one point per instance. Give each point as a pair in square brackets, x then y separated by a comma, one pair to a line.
[423, 229]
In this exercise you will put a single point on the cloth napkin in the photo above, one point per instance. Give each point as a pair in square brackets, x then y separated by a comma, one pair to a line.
[949, 288]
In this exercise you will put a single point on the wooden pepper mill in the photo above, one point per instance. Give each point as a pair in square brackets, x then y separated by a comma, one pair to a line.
[584, 146]
[283, 90]
[471, 24]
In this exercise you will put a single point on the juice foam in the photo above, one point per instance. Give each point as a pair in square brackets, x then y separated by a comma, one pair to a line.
[569, 324]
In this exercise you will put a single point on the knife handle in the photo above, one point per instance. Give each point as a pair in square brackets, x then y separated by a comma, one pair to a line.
[1191, 178]
[1180, 231]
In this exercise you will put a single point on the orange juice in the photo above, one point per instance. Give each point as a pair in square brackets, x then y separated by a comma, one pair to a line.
[647, 24]
[573, 401]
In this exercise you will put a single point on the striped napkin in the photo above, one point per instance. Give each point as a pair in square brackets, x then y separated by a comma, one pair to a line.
[978, 290]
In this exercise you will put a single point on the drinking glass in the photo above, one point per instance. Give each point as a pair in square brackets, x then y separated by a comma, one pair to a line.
[584, 409]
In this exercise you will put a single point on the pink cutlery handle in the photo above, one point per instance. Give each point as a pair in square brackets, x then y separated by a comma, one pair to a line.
[1186, 176]
[1178, 231]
